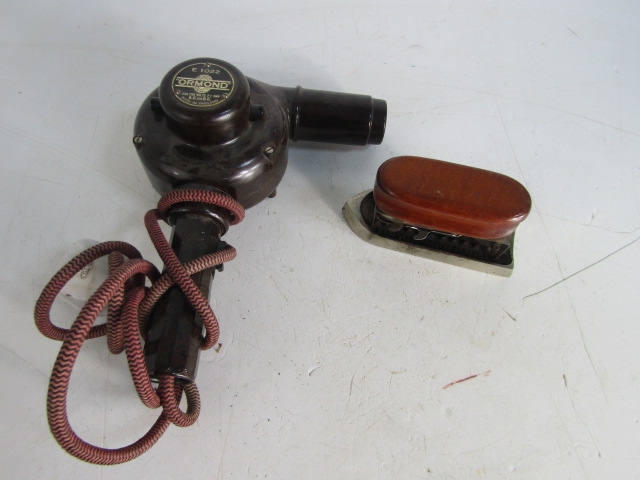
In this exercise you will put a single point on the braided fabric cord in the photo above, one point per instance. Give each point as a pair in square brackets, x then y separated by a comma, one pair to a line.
[129, 304]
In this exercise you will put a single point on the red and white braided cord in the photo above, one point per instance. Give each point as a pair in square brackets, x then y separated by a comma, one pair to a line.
[130, 303]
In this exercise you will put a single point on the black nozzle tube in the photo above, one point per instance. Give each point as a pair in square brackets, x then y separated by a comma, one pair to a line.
[345, 118]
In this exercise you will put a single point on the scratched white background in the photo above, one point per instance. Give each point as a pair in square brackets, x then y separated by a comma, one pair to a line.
[335, 353]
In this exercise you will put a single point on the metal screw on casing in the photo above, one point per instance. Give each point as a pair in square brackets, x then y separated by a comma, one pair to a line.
[138, 140]
[268, 151]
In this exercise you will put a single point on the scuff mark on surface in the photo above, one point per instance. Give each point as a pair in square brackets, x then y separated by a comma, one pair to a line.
[564, 279]
[455, 382]
[510, 316]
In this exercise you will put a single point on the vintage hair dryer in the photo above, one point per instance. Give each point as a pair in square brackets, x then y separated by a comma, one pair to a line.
[213, 143]
[208, 126]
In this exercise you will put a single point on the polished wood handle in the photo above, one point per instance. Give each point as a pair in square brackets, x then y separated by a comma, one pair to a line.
[450, 197]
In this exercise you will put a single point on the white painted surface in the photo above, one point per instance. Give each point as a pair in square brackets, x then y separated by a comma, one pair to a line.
[335, 353]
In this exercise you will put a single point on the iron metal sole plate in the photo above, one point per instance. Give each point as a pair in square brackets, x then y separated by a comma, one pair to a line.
[447, 252]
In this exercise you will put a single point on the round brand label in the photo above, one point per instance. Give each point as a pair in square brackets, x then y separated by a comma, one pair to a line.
[203, 84]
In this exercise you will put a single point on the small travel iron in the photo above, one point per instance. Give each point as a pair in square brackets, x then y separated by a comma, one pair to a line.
[444, 211]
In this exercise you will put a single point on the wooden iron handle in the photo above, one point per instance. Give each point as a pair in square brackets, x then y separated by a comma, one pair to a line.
[449, 197]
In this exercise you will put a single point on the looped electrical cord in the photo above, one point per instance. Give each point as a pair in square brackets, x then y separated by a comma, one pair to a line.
[129, 304]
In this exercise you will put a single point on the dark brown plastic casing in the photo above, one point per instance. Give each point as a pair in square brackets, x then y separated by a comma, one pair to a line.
[208, 124]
